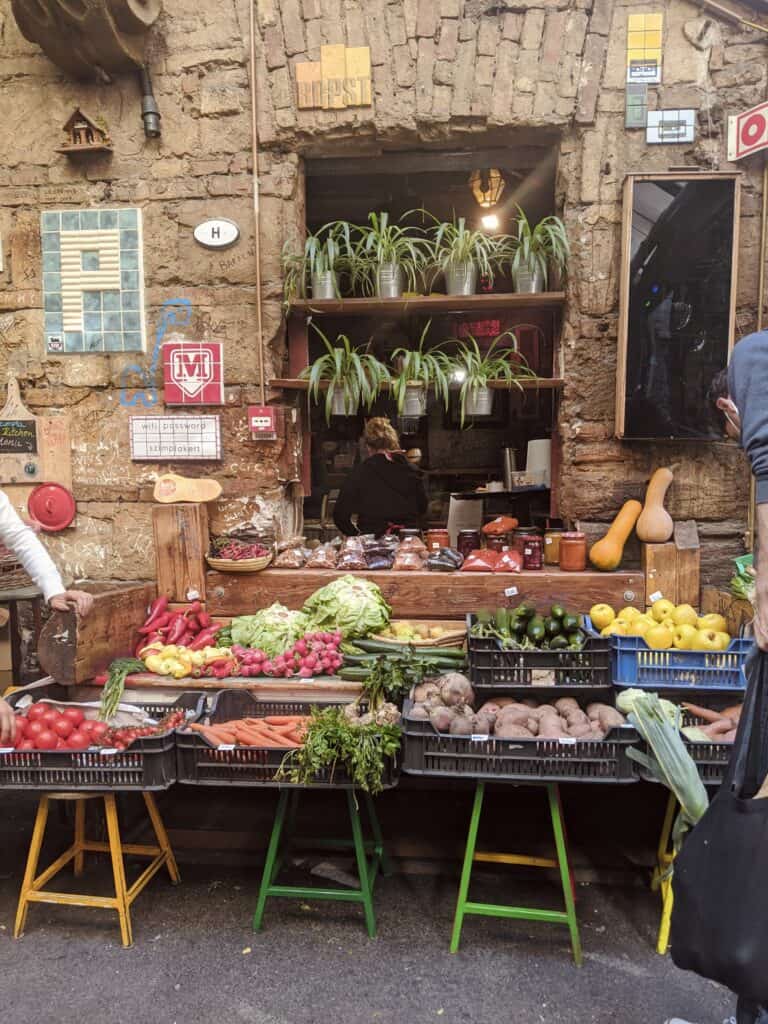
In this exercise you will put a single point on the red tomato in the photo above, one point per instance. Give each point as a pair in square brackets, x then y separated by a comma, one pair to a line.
[37, 711]
[21, 726]
[61, 744]
[75, 716]
[63, 727]
[26, 745]
[98, 730]
[34, 729]
[47, 740]
[79, 741]
[49, 716]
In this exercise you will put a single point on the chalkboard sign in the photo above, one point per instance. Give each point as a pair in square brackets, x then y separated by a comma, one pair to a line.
[18, 437]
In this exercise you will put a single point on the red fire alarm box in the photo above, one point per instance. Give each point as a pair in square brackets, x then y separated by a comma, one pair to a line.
[262, 422]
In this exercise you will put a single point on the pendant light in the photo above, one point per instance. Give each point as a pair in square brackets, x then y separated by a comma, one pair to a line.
[487, 185]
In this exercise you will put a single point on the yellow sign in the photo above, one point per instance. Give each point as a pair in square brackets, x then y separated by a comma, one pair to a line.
[341, 79]
[644, 48]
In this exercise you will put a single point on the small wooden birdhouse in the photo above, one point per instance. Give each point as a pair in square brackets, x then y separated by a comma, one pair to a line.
[83, 134]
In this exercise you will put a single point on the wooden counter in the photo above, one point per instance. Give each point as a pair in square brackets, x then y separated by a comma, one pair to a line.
[428, 594]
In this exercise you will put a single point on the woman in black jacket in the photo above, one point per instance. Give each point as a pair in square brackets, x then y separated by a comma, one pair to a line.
[383, 491]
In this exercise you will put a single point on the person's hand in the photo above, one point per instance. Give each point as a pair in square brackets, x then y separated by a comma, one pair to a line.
[760, 624]
[732, 417]
[81, 601]
[7, 724]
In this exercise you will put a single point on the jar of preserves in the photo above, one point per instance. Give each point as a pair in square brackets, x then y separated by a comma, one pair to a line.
[552, 546]
[533, 552]
[497, 542]
[436, 539]
[467, 541]
[519, 537]
[407, 532]
[573, 552]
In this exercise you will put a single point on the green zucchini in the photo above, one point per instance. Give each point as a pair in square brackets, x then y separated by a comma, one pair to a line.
[353, 673]
[380, 647]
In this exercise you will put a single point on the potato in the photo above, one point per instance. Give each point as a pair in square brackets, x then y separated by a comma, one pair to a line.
[456, 689]
[426, 689]
[441, 718]
[461, 726]
[419, 713]
[512, 731]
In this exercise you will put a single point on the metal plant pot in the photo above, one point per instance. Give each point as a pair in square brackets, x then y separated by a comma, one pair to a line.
[415, 401]
[324, 285]
[389, 281]
[479, 402]
[340, 406]
[527, 280]
[461, 278]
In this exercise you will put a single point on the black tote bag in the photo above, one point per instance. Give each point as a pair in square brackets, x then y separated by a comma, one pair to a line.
[720, 880]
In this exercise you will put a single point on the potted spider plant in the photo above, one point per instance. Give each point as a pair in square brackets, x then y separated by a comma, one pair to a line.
[385, 255]
[351, 377]
[474, 369]
[325, 255]
[535, 251]
[416, 371]
[461, 253]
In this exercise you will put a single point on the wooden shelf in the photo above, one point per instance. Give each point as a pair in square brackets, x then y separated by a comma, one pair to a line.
[430, 304]
[534, 384]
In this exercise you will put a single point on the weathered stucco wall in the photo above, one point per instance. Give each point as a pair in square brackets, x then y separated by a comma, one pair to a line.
[443, 70]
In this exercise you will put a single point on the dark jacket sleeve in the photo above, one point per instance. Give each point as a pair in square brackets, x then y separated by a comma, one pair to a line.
[346, 505]
[748, 386]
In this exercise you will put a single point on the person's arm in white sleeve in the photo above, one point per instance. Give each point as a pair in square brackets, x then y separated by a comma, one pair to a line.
[38, 563]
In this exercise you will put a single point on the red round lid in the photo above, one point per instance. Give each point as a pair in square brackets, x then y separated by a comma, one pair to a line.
[52, 506]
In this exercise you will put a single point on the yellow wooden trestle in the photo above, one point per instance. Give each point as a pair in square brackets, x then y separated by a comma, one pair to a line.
[662, 876]
[32, 890]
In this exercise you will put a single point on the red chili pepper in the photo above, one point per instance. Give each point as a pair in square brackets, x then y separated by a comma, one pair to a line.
[194, 608]
[100, 679]
[223, 671]
[176, 628]
[185, 639]
[193, 624]
[156, 609]
[204, 619]
[152, 625]
[203, 639]
[148, 641]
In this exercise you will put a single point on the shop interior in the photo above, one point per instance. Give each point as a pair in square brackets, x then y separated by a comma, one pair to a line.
[455, 460]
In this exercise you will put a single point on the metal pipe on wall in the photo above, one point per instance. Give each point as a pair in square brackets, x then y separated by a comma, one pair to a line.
[256, 211]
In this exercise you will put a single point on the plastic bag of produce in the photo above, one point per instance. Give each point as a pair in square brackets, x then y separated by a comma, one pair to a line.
[353, 605]
[324, 557]
[291, 558]
[509, 561]
[481, 560]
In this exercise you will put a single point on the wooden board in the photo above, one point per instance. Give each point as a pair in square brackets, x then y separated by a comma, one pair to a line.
[659, 563]
[73, 650]
[688, 563]
[737, 613]
[427, 595]
[271, 689]
[181, 544]
[480, 303]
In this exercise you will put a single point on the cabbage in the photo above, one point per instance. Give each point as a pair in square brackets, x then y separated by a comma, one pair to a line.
[353, 605]
[272, 630]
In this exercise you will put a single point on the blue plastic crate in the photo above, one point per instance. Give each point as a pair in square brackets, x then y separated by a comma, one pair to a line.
[636, 664]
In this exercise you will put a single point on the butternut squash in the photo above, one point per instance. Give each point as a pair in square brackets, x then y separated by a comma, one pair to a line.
[606, 554]
[655, 524]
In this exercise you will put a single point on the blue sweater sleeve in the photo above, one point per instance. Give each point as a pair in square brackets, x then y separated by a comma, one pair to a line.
[748, 386]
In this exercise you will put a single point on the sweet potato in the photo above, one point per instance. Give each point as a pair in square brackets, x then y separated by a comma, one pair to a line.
[461, 726]
[512, 731]
[483, 722]
[491, 707]
[456, 689]
[552, 728]
[607, 716]
[580, 729]
[441, 718]
[424, 690]
[566, 704]
[513, 716]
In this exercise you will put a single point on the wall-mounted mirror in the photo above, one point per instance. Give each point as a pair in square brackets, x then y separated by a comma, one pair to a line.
[677, 302]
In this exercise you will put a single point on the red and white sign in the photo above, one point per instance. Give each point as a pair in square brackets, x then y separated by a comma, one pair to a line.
[193, 372]
[262, 422]
[748, 132]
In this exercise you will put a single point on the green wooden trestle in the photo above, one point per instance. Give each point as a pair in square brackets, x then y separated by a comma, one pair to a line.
[465, 906]
[282, 839]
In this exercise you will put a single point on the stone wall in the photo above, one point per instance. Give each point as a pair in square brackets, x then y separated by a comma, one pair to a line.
[458, 71]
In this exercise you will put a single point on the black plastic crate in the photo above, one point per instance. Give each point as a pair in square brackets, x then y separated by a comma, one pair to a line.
[428, 752]
[148, 764]
[200, 764]
[492, 668]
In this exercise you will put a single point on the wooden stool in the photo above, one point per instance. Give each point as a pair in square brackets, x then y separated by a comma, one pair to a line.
[465, 906]
[32, 890]
[662, 875]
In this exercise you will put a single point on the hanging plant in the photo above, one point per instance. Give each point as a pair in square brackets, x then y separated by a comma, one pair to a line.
[475, 369]
[351, 377]
[423, 369]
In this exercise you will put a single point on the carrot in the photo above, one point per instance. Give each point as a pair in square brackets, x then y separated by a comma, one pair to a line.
[283, 719]
[706, 713]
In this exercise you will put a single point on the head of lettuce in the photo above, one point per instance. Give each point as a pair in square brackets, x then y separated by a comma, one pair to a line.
[350, 604]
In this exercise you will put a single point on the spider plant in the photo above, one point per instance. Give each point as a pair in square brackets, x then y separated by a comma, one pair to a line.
[461, 253]
[352, 377]
[384, 254]
[536, 250]
[324, 256]
[417, 371]
[475, 369]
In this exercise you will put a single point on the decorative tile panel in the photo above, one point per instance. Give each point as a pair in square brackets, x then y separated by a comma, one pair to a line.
[93, 282]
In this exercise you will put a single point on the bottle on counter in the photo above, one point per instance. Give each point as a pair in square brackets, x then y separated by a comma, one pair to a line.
[552, 537]
[573, 551]
[533, 552]
[467, 541]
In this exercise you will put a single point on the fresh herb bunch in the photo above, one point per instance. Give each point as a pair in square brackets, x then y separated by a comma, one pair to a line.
[332, 743]
[392, 677]
[112, 693]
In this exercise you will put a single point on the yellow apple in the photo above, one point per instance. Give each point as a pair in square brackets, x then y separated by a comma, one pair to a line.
[602, 615]
[683, 636]
[706, 640]
[662, 609]
[670, 623]
[659, 637]
[685, 615]
[713, 622]
[724, 640]
[614, 628]
[628, 614]
[639, 627]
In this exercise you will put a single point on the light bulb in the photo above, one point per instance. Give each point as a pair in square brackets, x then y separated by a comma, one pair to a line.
[490, 222]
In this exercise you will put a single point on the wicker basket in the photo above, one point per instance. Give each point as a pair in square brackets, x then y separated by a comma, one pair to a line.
[239, 565]
[13, 575]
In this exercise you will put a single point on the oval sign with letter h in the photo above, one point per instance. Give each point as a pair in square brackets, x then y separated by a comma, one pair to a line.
[218, 233]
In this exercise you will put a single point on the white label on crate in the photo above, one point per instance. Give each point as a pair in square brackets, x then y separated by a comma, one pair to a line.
[109, 751]
[567, 741]
[226, 746]
[510, 592]
[479, 737]
[8, 750]
[655, 596]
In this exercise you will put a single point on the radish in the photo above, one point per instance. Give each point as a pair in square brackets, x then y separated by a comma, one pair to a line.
[305, 672]
[300, 647]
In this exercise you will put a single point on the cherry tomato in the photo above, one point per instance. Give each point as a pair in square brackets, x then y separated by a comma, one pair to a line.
[79, 741]
[49, 716]
[63, 727]
[34, 729]
[47, 740]
[37, 711]
[75, 716]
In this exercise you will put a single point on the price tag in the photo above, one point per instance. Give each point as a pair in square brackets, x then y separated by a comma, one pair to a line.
[109, 751]
[9, 750]
[655, 596]
[226, 746]
[479, 737]
[567, 741]
[510, 592]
